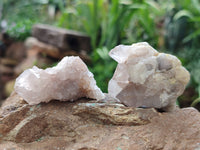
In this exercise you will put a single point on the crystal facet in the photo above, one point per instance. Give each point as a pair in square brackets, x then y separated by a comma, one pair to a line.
[69, 80]
[146, 78]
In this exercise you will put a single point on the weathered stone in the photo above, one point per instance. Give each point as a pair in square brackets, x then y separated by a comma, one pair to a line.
[16, 51]
[146, 78]
[115, 114]
[6, 70]
[83, 125]
[61, 38]
[5, 41]
[49, 50]
[34, 58]
[52, 51]
[8, 62]
[1, 89]
[69, 80]
[7, 73]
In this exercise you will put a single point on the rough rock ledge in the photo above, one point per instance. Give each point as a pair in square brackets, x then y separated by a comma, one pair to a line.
[91, 125]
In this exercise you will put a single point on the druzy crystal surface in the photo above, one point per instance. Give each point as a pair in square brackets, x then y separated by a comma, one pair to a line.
[147, 78]
[69, 80]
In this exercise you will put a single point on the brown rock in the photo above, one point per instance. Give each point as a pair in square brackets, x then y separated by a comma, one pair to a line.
[5, 69]
[1, 89]
[5, 38]
[16, 51]
[52, 51]
[89, 125]
[7, 73]
[61, 38]
[108, 114]
[34, 58]
[8, 62]
[41, 47]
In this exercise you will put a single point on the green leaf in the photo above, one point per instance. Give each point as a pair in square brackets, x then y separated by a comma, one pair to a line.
[195, 102]
[195, 19]
[191, 36]
[103, 53]
[196, 4]
[153, 4]
[182, 13]
[137, 6]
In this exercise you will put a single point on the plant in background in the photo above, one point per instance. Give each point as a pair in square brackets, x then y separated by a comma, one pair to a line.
[190, 9]
[116, 18]
[190, 58]
[147, 23]
[102, 67]
[186, 28]
[20, 30]
[182, 25]
[19, 16]
[104, 21]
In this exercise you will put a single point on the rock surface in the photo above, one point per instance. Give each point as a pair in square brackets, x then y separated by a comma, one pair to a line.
[16, 51]
[61, 38]
[69, 80]
[34, 58]
[49, 50]
[146, 78]
[52, 51]
[6, 73]
[90, 125]
[1, 89]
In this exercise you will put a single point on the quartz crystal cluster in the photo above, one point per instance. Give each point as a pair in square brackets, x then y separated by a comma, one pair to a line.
[146, 78]
[69, 80]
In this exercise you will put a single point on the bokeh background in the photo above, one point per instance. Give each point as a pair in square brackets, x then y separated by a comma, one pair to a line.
[171, 26]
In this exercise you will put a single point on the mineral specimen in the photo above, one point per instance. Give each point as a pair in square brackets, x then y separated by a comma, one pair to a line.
[69, 80]
[146, 78]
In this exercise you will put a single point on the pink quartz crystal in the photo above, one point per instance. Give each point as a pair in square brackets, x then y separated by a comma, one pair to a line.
[69, 80]
[147, 78]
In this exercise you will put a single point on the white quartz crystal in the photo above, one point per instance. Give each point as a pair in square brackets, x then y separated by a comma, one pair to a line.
[146, 78]
[69, 80]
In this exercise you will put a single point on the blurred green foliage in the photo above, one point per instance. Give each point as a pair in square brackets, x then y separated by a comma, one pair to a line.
[110, 22]
[20, 30]
[21, 15]
[187, 21]
[102, 67]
